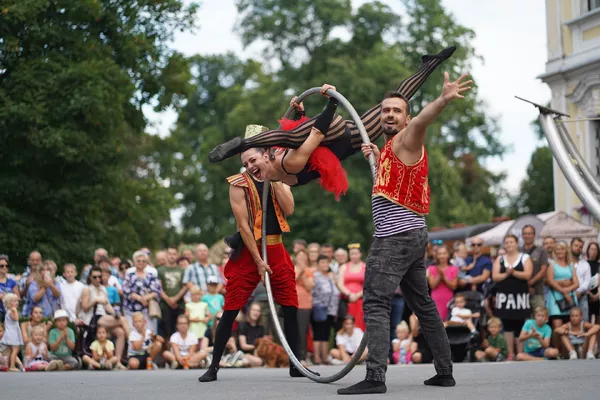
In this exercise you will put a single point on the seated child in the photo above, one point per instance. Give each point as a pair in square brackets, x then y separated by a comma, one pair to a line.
[536, 334]
[184, 347]
[401, 346]
[103, 352]
[36, 353]
[578, 334]
[61, 341]
[143, 345]
[494, 348]
[347, 341]
[462, 316]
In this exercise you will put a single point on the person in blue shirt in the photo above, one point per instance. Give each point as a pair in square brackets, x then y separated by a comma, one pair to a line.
[478, 269]
[113, 292]
[536, 334]
[7, 285]
[215, 300]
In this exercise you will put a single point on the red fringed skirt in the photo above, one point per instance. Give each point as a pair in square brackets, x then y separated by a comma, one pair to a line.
[334, 178]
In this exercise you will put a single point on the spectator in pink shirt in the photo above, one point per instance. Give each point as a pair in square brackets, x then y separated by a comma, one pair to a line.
[443, 279]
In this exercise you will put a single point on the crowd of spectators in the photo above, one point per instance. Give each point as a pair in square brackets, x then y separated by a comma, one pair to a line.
[161, 310]
[527, 303]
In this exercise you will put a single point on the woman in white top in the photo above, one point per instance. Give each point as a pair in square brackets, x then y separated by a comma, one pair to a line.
[347, 341]
[94, 302]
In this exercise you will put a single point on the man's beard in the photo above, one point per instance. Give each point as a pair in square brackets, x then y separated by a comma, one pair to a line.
[390, 131]
[576, 254]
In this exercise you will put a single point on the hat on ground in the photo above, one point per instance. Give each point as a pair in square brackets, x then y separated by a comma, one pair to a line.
[253, 130]
[60, 314]
[213, 280]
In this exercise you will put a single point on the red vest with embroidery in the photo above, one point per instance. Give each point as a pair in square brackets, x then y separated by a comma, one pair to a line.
[405, 185]
[253, 199]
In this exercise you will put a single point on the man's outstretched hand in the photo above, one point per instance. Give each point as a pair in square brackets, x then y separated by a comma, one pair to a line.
[454, 90]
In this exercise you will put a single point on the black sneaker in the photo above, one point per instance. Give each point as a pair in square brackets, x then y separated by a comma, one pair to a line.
[225, 150]
[441, 380]
[364, 387]
[209, 376]
[295, 372]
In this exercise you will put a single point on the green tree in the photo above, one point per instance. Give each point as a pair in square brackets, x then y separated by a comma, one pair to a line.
[229, 94]
[377, 50]
[536, 194]
[74, 76]
[383, 48]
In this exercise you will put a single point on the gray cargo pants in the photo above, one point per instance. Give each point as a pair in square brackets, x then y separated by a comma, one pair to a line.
[392, 261]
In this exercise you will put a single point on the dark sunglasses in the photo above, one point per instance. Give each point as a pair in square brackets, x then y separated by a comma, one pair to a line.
[4, 266]
[96, 276]
[476, 244]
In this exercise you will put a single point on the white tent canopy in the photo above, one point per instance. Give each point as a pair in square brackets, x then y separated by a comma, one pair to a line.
[556, 223]
[563, 227]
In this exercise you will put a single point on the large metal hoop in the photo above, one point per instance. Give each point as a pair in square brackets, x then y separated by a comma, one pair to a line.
[265, 195]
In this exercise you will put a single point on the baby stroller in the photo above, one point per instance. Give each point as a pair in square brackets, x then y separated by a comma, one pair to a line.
[462, 342]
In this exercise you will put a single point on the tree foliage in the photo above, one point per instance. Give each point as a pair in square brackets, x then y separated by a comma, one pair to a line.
[74, 75]
[364, 52]
[536, 194]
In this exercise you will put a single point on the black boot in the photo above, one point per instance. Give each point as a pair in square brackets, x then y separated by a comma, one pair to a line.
[441, 380]
[225, 150]
[210, 375]
[365, 387]
[442, 55]
[295, 373]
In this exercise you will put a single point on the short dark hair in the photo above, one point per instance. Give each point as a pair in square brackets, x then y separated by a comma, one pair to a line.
[322, 257]
[528, 226]
[397, 95]
[576, 239]
[95, 268]
[327, 245]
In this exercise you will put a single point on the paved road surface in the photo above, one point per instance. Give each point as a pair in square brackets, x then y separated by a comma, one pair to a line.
[543, 380]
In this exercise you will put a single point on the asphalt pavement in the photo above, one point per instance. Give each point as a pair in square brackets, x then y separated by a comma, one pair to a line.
[510, 380]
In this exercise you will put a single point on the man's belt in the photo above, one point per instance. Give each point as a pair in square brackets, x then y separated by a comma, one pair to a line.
[273, 240]
[236, 243]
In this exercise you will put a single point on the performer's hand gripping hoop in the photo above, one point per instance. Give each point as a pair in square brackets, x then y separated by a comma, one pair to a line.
[363, 344]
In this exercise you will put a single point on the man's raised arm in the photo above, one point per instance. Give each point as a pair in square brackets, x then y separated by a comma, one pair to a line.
[413, 137]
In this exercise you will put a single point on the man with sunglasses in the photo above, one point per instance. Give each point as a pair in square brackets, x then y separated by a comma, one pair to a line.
[478, 269]
[7, 284]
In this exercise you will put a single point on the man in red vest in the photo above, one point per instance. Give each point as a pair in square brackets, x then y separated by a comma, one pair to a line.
[400, 201]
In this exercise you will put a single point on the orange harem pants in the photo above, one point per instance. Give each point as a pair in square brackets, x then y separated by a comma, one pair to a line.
[243, 277]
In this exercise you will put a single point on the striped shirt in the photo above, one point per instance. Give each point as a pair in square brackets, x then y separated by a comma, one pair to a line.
[391, 219]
